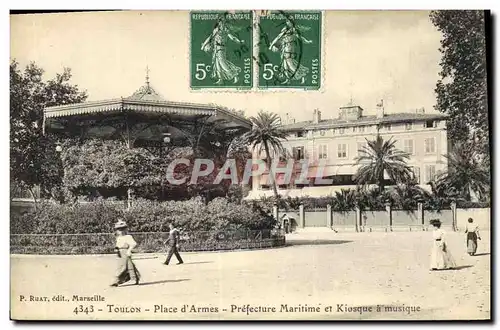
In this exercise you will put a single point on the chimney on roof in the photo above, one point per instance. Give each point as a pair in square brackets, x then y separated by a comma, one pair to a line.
[420, 110]
[286, 119]
[380, 109]
[316, 116]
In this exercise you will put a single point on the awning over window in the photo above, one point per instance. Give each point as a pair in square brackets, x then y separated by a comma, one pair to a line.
[330, 171]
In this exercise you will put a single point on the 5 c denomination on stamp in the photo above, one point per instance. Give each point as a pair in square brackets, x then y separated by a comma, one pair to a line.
[221, 50]
[290, 50]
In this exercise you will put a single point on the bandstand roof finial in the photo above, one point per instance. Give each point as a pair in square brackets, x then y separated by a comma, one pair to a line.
[146, 92]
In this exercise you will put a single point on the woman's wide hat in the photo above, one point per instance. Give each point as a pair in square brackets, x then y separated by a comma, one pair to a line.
[120, 224]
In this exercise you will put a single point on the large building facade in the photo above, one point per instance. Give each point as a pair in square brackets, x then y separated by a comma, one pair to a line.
[335, 143]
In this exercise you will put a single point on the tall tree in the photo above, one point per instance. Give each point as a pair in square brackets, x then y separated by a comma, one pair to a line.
[33, 159]
[466, 173]
[406, 196]
[462, 87]
[266, 135]
[379, 157]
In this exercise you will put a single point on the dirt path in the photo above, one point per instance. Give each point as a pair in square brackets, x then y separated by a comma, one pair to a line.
[320, 276]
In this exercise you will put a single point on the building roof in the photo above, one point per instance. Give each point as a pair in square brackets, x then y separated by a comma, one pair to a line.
[146, 100]
[364, 120]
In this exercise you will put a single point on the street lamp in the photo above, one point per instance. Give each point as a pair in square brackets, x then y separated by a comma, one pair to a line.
[166, 141]
[166, 138]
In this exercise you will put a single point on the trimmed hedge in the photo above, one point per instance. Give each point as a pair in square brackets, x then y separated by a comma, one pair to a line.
[144, 216]
[54, 228]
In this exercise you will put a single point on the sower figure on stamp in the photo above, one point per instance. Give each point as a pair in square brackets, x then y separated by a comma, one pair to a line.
[172, 242]
[222, 68]
[125, 243]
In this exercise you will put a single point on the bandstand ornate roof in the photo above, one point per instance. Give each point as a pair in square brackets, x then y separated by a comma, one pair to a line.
[143, 104]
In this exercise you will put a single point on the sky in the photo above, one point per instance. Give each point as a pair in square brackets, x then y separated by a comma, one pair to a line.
[367, 56]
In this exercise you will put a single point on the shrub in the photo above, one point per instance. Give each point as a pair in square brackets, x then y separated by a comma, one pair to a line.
[403, 197]
[144, 216]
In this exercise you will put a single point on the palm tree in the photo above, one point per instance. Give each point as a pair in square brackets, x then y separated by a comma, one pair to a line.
[440, 195]
[406, 196]
[466, 174]
[345, 200]
[379, 157]
[266, 135]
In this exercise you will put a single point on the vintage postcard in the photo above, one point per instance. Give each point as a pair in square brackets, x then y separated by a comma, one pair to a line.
[250, 165]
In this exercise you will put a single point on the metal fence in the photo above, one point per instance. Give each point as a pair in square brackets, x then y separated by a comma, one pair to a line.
[147, 242]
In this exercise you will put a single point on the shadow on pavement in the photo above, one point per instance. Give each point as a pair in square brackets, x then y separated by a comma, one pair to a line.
[462, 267]
[157, 282]
[315, 242]
[451, 269]
[481, 254]
[198, 262]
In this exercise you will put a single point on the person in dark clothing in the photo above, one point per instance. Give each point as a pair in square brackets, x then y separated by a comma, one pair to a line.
[172, 242]
[472, 231]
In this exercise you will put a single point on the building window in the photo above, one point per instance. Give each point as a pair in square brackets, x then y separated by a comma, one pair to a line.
[430, 173]
[409, 126]
[341, 130]
[342, 150]
[408, 146]
[322, 132]
[430, 146]
[323, 153]
[298, 153]
[300, 134]
[361, 129]
[361, 148]
[388, 127]
[416, 174]
[430, 124]
[354, 129]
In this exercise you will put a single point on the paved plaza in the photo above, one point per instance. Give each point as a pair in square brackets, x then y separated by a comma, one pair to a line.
[317, 276]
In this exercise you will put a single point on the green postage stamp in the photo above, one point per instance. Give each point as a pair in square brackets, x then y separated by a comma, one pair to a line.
[221, 50]
[290, 50]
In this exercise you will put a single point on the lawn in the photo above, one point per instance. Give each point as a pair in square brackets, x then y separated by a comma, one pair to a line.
[318, 276]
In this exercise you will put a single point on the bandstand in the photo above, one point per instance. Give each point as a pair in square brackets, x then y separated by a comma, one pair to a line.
[145, 119]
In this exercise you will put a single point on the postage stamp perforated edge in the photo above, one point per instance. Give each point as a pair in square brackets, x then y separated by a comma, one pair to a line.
[222, 89]
[322, 53]
[256, 14]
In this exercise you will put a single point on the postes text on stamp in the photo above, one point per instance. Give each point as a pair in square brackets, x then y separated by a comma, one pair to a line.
[221, 49]
[290, 50]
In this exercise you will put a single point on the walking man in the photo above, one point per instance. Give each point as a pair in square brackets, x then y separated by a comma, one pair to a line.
[172, 242]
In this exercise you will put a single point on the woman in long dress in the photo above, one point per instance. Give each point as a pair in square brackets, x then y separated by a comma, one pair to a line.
[222, 68]
[441, 257]
[125, 243]
[472, 231]
[288, 44]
